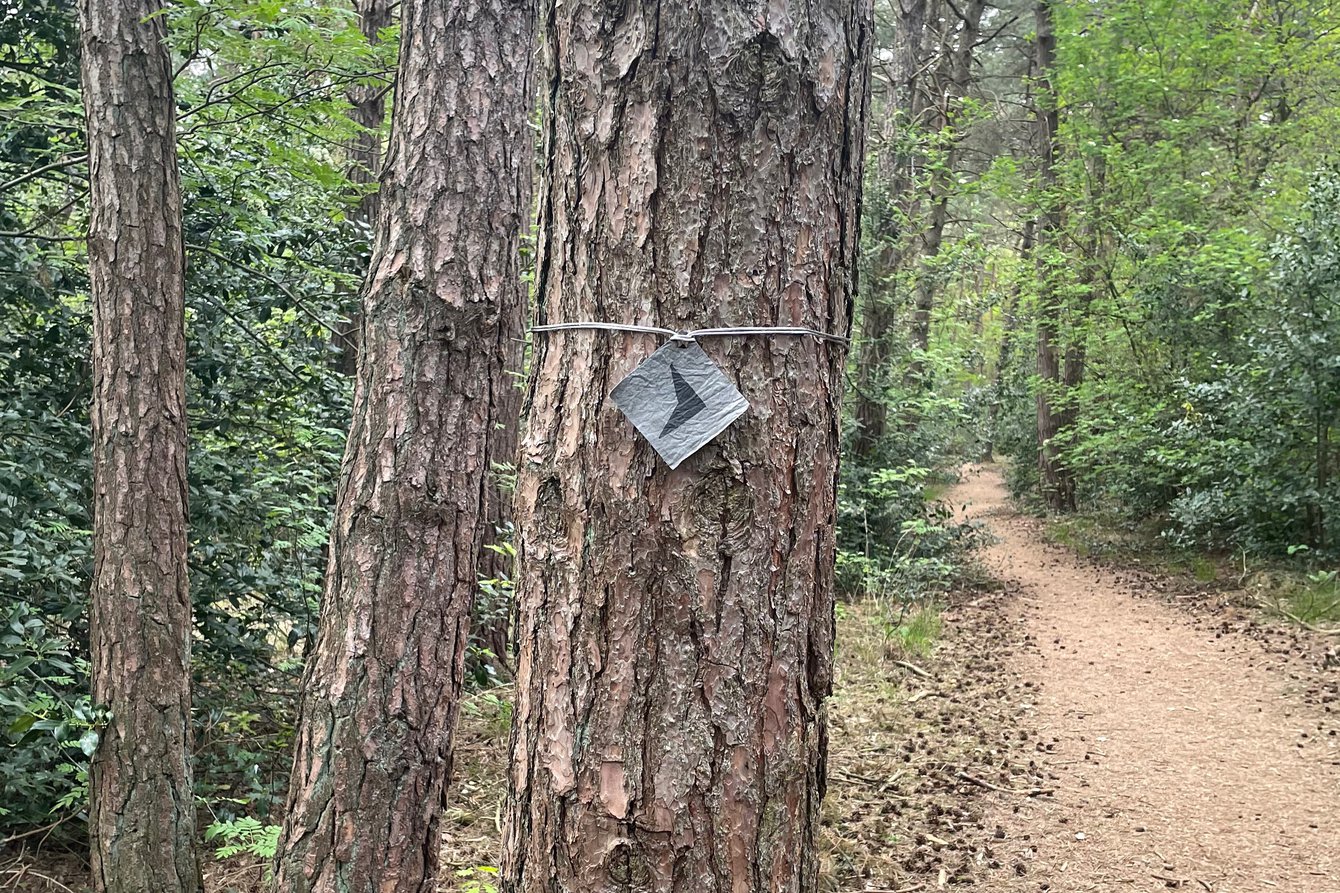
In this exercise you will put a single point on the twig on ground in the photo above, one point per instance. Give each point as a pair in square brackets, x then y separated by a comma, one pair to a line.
[881, 784]
[37, 874]
[1023, 792]
[913, 668]
[54, 825]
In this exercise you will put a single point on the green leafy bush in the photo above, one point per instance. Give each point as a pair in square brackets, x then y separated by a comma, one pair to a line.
[1236, 452]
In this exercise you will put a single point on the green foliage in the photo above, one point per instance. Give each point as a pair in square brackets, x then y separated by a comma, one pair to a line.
[49, 730]
[1236, 451]
[492, 608]
[1314, 601]
[895, 541]
[492, 706]
[916, 631]
[273, 263]
[1194, 274]
[243, 836]
[479, 879]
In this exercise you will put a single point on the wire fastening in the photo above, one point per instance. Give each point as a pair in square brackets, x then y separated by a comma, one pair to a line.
[693, 334]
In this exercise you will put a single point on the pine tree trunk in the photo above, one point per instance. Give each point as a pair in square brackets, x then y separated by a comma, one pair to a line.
[675, 645]
[1058, 484]
[380, 696]
[142, 813]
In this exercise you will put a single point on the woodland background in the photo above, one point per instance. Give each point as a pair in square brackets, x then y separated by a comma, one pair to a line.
[1116, 266]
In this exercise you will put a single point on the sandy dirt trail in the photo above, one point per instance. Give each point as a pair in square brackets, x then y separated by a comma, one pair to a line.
[1180, 758]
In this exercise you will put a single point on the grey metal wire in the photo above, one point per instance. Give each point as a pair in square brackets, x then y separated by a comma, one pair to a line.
[606, 327]
[694, 334]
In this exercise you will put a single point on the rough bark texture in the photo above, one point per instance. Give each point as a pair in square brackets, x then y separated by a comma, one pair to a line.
[677, 627]
[380, 694]
[367, 108]
[1058, 484]
[142, 815]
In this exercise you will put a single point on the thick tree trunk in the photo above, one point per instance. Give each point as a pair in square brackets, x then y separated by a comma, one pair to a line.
[380, 695]
[1058, 484]
[367, 108]
[142, 815]
[677, 626]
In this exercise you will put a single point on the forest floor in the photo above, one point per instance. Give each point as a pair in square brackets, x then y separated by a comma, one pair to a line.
[1077, 726]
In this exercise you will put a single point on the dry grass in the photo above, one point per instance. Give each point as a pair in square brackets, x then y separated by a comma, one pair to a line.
[909, 713]
[896, 813]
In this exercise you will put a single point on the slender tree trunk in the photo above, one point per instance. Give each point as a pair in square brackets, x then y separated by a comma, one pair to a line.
[899, 168]
[367, 108]
[875, 354]
[677, 626]
[953, 85]
[1058, 484]
[380, 696]
[1006, 359]
[142, 815]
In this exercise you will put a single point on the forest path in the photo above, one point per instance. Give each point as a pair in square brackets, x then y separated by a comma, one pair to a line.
[1179, 758]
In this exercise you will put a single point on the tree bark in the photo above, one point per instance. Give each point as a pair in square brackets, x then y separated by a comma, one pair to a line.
[677, 626]
[1058, 484]
[381, 689]
[142, 813]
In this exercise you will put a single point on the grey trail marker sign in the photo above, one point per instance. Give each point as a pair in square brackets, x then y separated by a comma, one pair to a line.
[679, 400]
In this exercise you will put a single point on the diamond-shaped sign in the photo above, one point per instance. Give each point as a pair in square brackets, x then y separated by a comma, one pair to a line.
[679, 400]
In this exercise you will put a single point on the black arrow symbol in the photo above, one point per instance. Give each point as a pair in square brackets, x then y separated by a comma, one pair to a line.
[687, 403]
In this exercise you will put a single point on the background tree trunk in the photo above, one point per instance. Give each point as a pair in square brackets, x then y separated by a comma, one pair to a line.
[950, 85]
[1058, 484]
[368, 111]
[142, 815]
[381, 689]
[676, 627]
[1011, 311]
[495, 632]
[898, 166]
